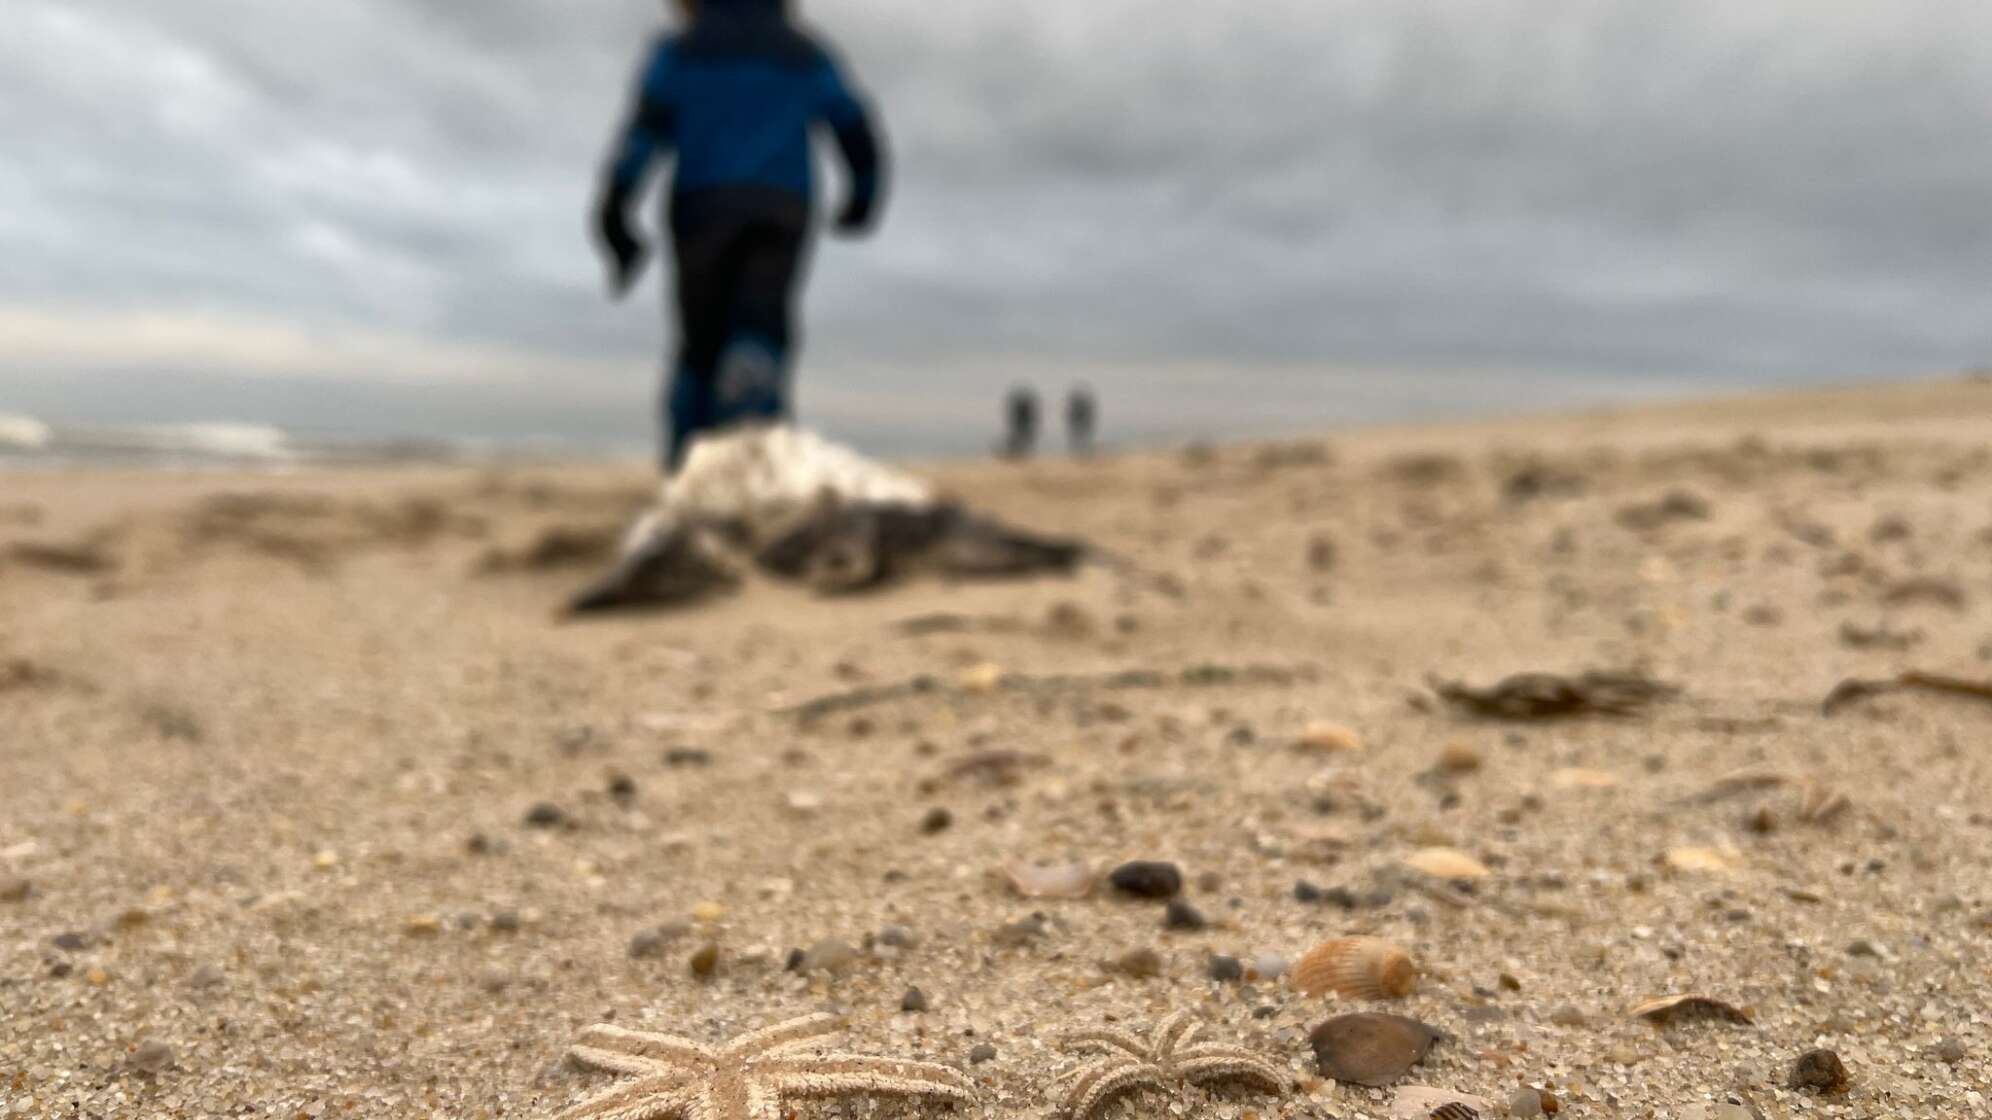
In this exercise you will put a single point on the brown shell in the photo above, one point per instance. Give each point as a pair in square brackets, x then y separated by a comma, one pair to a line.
[1330, 738]
[1447, 863]
[1690, 1009]
[1356, 967]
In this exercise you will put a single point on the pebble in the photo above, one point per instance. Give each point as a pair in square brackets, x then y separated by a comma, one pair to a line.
[1141, 964]
[1269, 966]
[1225, 970]
[705, 962]
[1370, 1049]
[1020, 932]
[983, 1052]
[829, 955]
[706, 913]
[207, 976]
[15, 890]
[914, 1000]
[1525, 1103]
[545, 815]
[1950, 1051]
[1147, 879]
[423, 925]
[1820, 1071]
[897, 937]
[1567, 1016]
[1863, 948]
[687, 756]
[938, 819]
[71, 942]
[1183, 917]
[152, 1056]
[506, 921]
[622, 787]
[646, 944]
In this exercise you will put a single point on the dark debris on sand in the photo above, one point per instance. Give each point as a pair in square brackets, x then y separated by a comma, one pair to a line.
[1540, 696]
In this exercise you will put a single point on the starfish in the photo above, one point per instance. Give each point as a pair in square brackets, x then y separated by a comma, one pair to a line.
[747, 1078]
[1170, 1057]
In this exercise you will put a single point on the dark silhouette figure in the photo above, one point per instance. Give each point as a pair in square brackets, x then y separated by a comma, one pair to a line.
[735, 98]
[1021, 423]
[1082, 421]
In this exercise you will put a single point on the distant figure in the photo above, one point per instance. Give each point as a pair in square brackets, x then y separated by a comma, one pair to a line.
[735, 96]
[1021, 413]
[1082, 420]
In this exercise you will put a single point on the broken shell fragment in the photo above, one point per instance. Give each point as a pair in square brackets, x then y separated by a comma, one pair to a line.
[1713, 861]
[1578, 778]
[1356, 967]
[1447, 863]
[1673, 1010]
[1416, 1102]
[1071, 880]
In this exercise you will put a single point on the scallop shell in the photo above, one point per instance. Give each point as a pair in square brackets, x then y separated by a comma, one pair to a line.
[1447, 863]
[1072, 880]
[1577, 778]
[1357, 967]
[1330, 738]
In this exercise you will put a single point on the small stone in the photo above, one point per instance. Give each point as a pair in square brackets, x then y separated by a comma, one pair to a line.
[983, 1052]
[1183, 918]
[914, 1000]
[545, 815]
[938, 819]
[1210, 882]
[1510, 983]
[506, 921]
[705, 962]
[325, 860]
[1268, 966]
[1525, 1103]
[71, 942]
[1459, 758]
[97, 977]
[207, 976]
[684, 757]
[1863, 948]
[1147, 879]
[1020, 932]
[152, 1056]
[897, 937]
[1950, 1051]
[423, 925]
[15, 890]
[478, 844]
[829, 955]
[707, 913]
[1141, 964]
[1225, 970]
[1567, 1016]
[647, 944]
[1820, 1071]
[622, 787]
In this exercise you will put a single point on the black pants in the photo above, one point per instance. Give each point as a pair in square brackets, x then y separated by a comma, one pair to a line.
[741, 254]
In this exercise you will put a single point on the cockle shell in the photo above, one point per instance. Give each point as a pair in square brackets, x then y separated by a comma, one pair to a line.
[1357, 967]
[1447, 863]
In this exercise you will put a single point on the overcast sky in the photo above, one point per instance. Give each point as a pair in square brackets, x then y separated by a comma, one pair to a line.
[1241, 213]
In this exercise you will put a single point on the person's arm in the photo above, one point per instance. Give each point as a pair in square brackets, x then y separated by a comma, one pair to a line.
[649, 133]
[851, 122]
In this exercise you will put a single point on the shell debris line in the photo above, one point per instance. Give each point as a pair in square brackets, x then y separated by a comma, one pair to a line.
[317, 816]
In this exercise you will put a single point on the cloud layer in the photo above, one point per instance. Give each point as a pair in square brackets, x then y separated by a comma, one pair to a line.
[1768, 191]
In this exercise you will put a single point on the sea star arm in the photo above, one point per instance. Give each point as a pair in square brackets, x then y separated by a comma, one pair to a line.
[1106, 1079]
[782, 1037]
[835, 1075]
[1110, 1039]
[652, 1098]
[1203, 1064]
[1173, 1034]
[658, 1050]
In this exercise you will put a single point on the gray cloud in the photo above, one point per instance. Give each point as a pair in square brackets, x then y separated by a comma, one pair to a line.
[1770, 190]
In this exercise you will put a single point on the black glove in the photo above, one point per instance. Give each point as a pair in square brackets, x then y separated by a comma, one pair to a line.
[855, 219]
[627, 252]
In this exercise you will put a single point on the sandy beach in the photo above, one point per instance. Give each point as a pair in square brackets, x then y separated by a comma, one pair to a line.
[311, 807]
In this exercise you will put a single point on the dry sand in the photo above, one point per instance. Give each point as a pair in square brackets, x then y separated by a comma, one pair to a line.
[268, 746]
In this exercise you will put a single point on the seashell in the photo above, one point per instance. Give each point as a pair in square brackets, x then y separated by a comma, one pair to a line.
[1712, 861]
[983, 679]
[1447, 863]
[1071, 880]
[1370, 1049]
[1357, 967]
[1690, 1009]
[1579, 778]
[1330, 738]
[1417, 1102]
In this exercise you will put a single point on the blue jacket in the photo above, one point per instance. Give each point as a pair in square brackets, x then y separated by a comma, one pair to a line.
[736, 98]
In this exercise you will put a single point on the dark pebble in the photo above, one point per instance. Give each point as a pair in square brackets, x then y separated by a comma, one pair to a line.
[505, 921]
[705, 962]
[913, 1000]
[1183, 917]
[622, 787]
[938, 819]
[646, 944]
[71, 942]
[1145, 879]
[795, 961]
[686, 756]
[1950, 1051]
[1141, 964]
[478, 844]
[1820, 1071]
[545, 815]
[1225, 970]
[15, 890]
[983, 1052]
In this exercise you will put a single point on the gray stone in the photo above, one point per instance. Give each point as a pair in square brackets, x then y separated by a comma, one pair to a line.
[152, 1056]
[1225, 970]
[914, 1000]
[1525, 1103]
[983, 1052]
